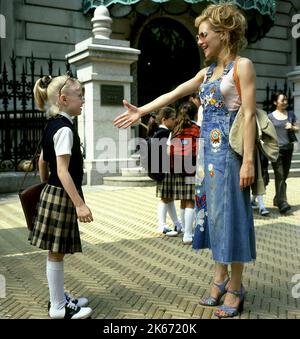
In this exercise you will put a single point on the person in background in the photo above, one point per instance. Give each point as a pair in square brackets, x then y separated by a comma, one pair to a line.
[160, 126]
[184, 137]
[285, 123]
[262, 210]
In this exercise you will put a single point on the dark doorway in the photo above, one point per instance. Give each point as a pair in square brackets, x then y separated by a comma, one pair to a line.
[169, 56]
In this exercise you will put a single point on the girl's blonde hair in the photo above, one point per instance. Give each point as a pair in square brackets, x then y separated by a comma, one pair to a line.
[47, 91]
[229, 20]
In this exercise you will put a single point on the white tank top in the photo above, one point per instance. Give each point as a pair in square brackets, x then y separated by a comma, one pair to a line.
[229, 91]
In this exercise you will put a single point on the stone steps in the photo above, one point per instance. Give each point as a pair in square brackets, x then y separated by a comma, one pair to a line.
[129, 181]
[131, 177]
[295, 164]
[137, 177]
[133, 172]
[296, 156]
[294, 172]
[295, 167]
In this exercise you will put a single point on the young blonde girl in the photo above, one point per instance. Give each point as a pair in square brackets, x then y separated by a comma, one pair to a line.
[61, 202]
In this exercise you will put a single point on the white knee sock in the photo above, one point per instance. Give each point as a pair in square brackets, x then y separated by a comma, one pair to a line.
[182, 217]
[172, 213]
[188, 223]
[260, 202]
[55, 276]
[162, 213]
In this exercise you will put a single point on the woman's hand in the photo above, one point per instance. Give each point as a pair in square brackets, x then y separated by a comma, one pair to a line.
[288, 125]
[291, 126]
[247, 175]
[130, 117]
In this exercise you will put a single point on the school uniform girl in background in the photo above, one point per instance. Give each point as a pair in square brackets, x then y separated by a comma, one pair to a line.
[160, 127]
[183, 151]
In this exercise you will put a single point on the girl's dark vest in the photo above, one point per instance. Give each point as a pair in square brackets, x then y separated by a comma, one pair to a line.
[76, 160]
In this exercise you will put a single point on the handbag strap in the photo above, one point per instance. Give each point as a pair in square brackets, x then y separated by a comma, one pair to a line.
[236, 79]
[238, 87]
[210, 72]
[290, 117]
[31, 162]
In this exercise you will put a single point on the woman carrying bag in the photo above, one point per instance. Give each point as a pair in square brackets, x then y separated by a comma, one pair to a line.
[285, 124]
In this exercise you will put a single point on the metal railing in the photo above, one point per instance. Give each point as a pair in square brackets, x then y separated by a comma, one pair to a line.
[21, 124]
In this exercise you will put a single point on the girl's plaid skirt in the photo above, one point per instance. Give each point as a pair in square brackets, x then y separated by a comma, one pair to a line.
[177, 187]
[55, 226]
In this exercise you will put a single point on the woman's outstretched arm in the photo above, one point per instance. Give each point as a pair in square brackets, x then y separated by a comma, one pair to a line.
[133, 113]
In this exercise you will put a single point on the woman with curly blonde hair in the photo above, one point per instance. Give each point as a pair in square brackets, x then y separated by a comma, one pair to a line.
[224, 219]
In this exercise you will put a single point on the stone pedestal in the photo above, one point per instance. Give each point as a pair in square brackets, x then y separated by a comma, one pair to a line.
[103, 67]
[295, 77]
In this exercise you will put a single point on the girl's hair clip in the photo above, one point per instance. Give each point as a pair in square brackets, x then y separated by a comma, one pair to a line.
[45, 81]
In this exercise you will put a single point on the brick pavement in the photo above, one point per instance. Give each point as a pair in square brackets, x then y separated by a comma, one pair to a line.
[128, 271]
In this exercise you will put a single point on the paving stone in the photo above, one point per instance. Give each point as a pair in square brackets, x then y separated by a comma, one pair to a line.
[128, 271]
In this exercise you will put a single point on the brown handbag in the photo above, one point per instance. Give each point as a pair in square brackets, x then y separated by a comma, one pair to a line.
[30, 196]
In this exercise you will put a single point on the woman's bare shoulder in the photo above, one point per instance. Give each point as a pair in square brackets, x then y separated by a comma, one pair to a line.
[245, 67]
[245, 62]
[201, 74]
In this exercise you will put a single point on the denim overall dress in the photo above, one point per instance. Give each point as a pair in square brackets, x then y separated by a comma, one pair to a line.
[224, 218]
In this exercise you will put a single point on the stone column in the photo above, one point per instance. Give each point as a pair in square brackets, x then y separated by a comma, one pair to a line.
[103, 66]
[295, 77]
[7, 41]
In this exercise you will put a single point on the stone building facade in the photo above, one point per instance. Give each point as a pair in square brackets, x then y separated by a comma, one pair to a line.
[53, 27]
